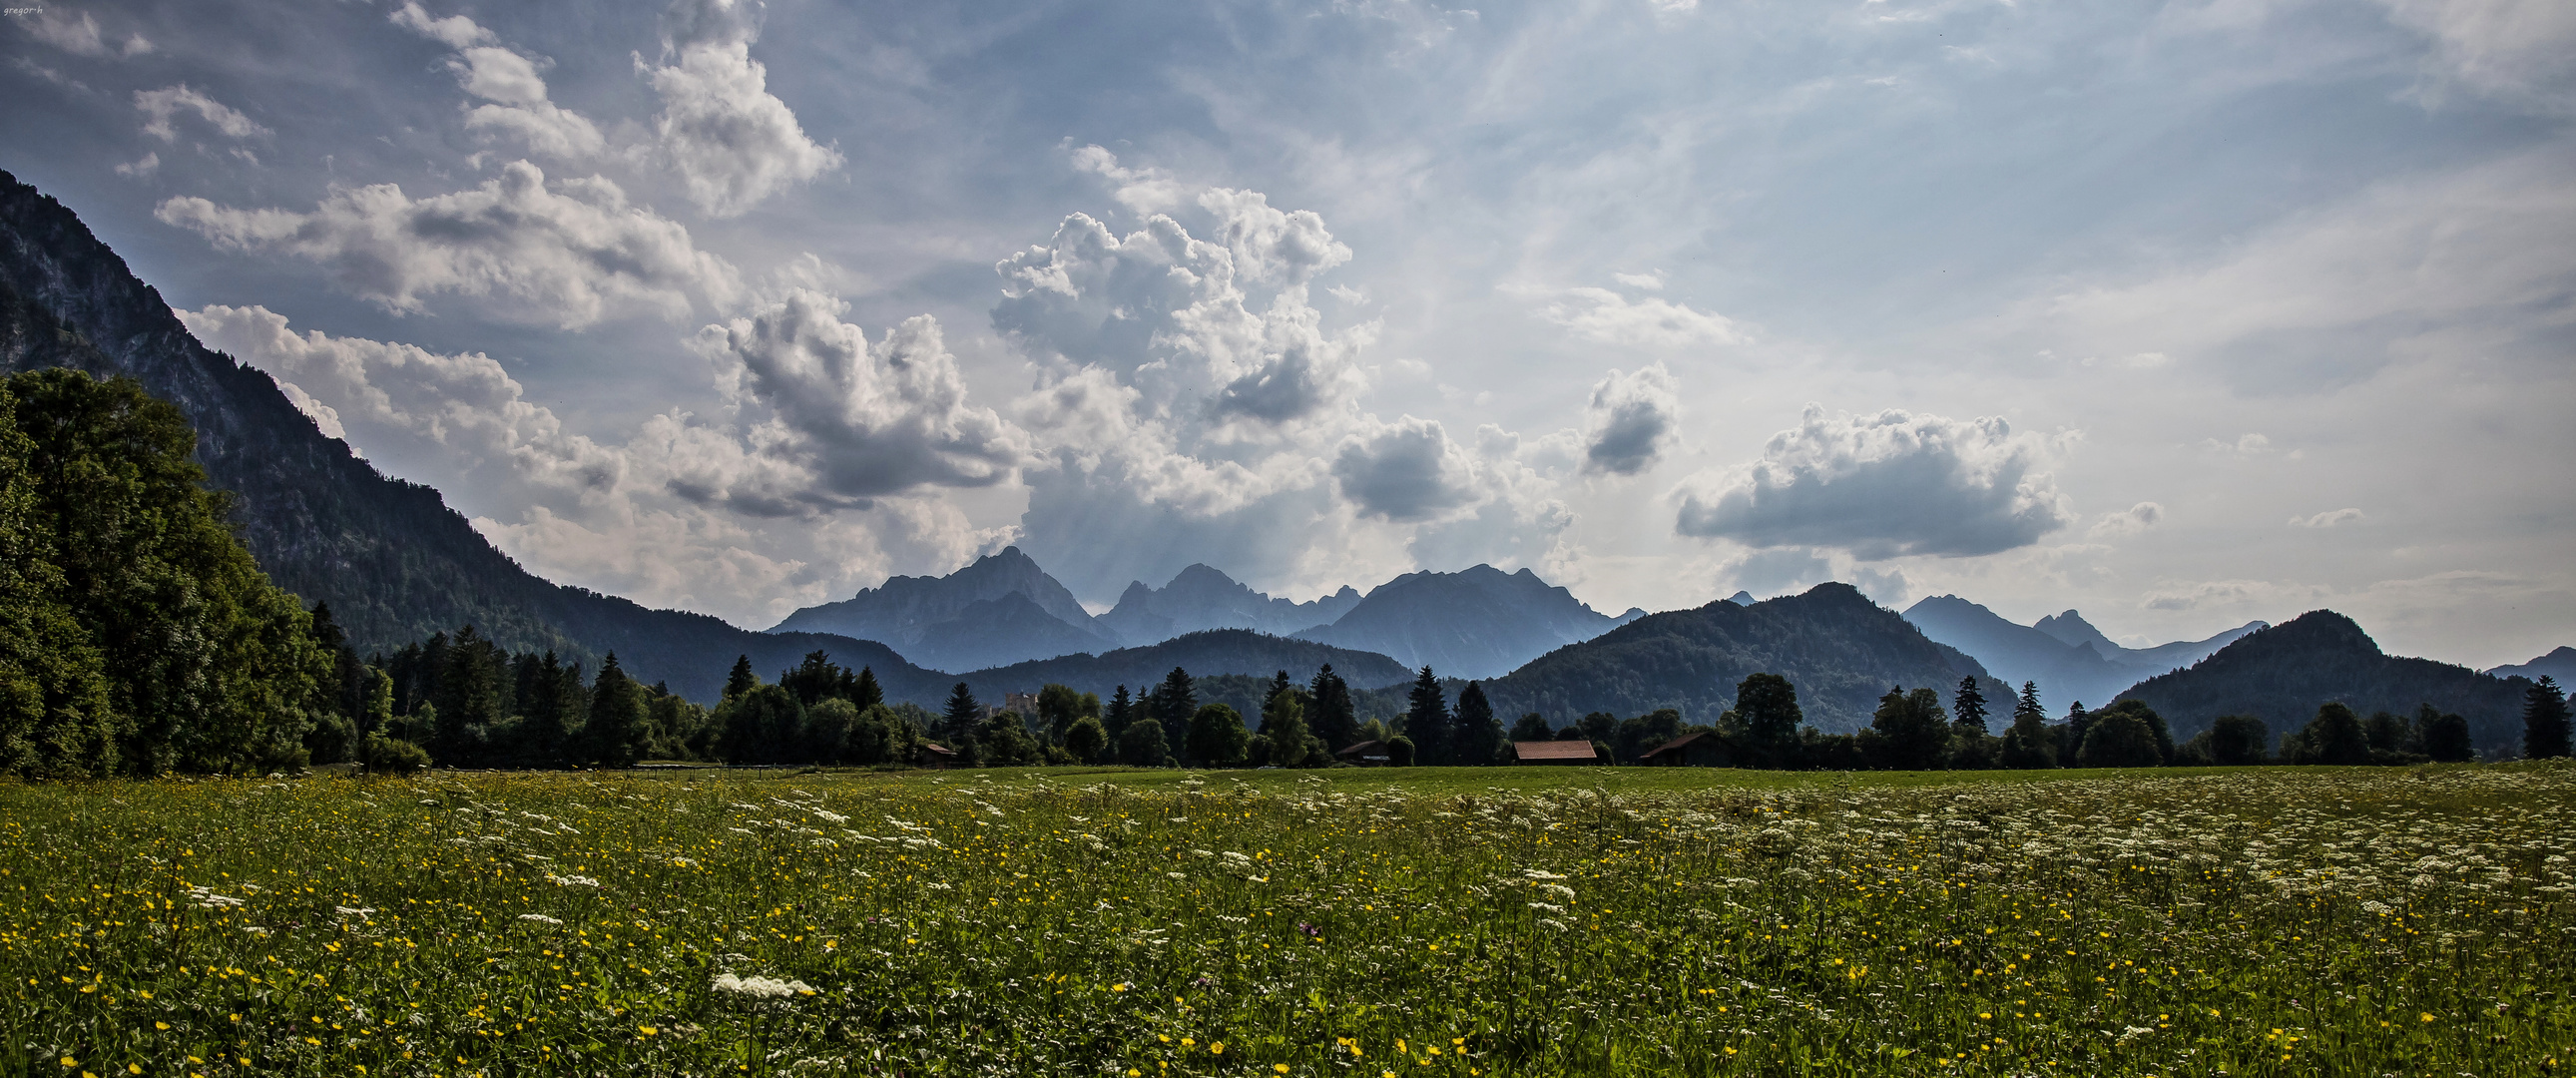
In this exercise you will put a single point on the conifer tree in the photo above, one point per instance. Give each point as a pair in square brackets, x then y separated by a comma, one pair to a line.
[866, 692]
[959, 720]
[1331, 715]
[1122, 711]
[741, 680]
[1173, 704]
[1427, 721]
[1968, 707]
[615, 731]
[2544, 720]
[1479, 733]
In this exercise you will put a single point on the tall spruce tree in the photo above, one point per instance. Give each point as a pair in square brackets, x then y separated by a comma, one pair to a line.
[1479, 733]
[615, 732]
[2544, 720]
[742, 679]
[1968, 707]
[1428, 723]
[866, 692]
[1332, 715]
[1122, 710]
[1173, 704]
[961, 719]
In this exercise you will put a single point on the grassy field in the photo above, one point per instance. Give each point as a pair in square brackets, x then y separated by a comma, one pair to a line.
[1422, 922]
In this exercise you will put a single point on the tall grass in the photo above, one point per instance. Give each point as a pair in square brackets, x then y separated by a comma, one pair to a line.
[2250, 922]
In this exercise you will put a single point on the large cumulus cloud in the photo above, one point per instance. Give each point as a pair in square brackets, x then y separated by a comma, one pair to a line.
[566, 252]
[1883, 485]
[778, 503]
[1189, 390]
[730, 140]
[860, 418]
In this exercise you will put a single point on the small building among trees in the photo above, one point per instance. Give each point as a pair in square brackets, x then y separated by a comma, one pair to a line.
[1701, 749]
[1366, 754]
[1555, 752]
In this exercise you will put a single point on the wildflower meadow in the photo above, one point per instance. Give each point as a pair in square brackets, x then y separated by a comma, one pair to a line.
[1379, 922]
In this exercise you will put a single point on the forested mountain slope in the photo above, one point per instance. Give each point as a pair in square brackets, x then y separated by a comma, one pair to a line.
[395, 563]
[2283, 674]
[1841, 650]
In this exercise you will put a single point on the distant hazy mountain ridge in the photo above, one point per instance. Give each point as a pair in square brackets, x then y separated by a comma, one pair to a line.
[2070, 659]
[2560, 663]
[1000, 609]
[1201, 597]
[1475, 623]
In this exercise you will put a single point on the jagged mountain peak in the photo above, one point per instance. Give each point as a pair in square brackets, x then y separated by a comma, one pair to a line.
[1202, 597]
[1476, 622]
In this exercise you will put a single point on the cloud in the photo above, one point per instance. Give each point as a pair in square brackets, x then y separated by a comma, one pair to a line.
[858, 419]
[566, 252]
[1170, 313]
[2245, 445]
[1777, 571]
[1652, 282]
[454, 31]
[160, 106]
[2474, 260]
[2518, 50]
[1653, 322]
[80, 36]
[1631, 421]
[520, 106]
[2176, 595]
[680, 513]
[1882, 486]
[1143, 191]
[2127, 522]
[1406, 472]
[146, 165]
[465, 404]
[2332, 518]
[1272, 245]
[730, 141]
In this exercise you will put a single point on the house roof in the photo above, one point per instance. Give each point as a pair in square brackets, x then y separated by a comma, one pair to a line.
[1676, 744]
[1364, 749]
[1554, 750]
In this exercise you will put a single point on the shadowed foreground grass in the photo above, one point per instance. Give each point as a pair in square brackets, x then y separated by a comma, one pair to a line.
[1473, 921]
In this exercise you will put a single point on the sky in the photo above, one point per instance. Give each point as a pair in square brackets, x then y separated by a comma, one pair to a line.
[2181, 315]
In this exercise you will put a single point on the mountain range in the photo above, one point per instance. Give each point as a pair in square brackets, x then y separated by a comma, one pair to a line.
[396, 564]
[2072, 661]
[1003, 609]
[1200, 597]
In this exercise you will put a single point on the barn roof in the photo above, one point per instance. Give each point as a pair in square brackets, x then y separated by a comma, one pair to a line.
[1534, 751]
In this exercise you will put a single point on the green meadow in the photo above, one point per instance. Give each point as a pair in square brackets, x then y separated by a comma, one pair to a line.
[2268, 921]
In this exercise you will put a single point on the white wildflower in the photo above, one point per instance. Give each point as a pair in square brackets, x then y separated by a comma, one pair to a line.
[540, 918]
[759, 987]
[571, 881]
